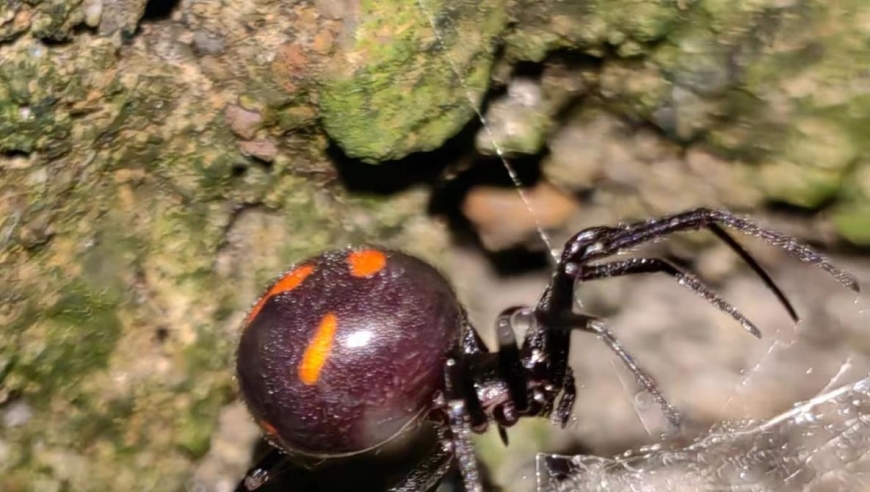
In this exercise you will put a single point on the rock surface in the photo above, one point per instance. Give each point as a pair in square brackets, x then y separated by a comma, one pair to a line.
[161, 161]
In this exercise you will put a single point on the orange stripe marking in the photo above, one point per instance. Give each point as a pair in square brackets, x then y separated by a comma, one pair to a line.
[285, 284]
[318, 350]
[366, 263]
[268, 428]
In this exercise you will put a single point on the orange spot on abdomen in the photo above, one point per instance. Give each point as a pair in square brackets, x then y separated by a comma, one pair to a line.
[268, 428]
[366, 263]
[286, 283]
[318, 350]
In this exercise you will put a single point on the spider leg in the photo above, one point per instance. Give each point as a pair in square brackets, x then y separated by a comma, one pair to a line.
[427, 474]
[459, 423]
[547, 343]
[463, 449]
[749, 260]
[470, 344]
[658, 265]
[594, 325]
[566, 402]
[511, 372]
[510, 363]
[265, 470]
[555, 310]
[470, 341]
[600, 242]
[558, 339]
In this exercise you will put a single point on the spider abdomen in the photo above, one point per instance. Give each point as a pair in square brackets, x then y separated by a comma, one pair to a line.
[346, 350]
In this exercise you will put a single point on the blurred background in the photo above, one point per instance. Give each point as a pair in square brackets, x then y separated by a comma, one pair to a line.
[162, 160]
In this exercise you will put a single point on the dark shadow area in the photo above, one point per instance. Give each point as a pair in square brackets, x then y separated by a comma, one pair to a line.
[395, 176]
[161, 334]
[803, 213]
[529, 70]
[451, 171]
[14, 153]
[517, 261]
[450, 193]
[158, 10]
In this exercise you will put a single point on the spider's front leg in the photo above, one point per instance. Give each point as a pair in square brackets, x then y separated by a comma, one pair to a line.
[555, 309]
[600, 242]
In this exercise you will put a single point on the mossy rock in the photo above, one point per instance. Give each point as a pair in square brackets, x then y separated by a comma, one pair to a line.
[398, 86]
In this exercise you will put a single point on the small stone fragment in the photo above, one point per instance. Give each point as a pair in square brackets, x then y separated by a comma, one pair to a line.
[242, 122]
[517, 123]
[121, 15]
[14, 19]
[206, 43]
[335, 9]
[262, 149]
[503, 220]
[291, 67]
[93, 10]
[17, 414]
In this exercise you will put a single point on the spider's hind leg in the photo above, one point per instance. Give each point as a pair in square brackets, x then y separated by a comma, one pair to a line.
[262, 472]
[428, 472]
[459, 422]
[565, 407]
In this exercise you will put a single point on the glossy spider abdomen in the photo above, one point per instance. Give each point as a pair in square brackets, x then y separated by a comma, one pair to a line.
[346, 350]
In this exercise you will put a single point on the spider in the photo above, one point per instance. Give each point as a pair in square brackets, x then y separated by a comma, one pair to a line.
[354, 347]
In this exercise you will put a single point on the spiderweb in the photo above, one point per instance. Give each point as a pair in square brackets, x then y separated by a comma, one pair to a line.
[820, 444]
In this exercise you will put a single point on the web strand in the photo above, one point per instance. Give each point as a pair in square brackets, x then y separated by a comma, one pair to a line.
[499, 150]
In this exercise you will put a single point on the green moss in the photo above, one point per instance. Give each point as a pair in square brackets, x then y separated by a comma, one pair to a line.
[852, 221]
[95, 419]
[212, 350]
[55, 19]
[39, 116]
[807, 187]
[365, 96]
[727, 16]
[634, 88]
[819, 143]
[195, 426]
[72, 337]
[641, 20]
[813, 161]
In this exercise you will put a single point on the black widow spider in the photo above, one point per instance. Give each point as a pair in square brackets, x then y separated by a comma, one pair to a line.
[353, 347]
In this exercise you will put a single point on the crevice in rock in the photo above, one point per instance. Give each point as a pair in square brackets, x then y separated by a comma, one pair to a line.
[158, 10]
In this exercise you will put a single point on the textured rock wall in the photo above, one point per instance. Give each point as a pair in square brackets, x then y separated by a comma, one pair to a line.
[156, 172]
